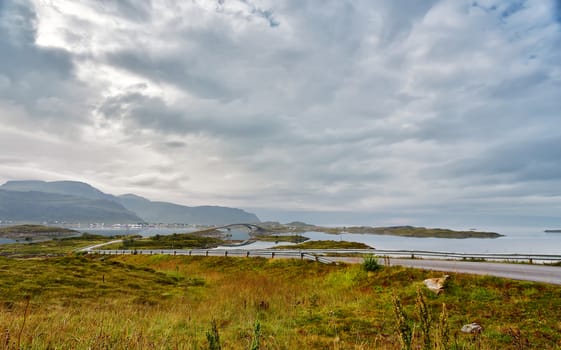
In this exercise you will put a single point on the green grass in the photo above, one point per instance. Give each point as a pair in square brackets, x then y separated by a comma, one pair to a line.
[408, 231]
[30, 232]
[33, 229]
[325, 245]
[173, 241]
[170, 302]
[53, 246]
[280, 238]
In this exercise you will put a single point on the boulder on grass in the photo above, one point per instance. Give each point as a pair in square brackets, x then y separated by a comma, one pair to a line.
[472, 328]
[437, 285]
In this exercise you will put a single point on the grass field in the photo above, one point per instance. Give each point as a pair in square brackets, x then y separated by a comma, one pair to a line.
[34, 229]
[52, 246]
[173, 241]
[170, 302]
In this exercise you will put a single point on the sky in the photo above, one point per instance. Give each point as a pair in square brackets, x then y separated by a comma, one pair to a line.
[333, 112]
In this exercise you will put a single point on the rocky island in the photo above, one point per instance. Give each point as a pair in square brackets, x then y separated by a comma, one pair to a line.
[32, 232]
[406, 231]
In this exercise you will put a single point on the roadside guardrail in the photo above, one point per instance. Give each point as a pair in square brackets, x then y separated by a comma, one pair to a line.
[323, 254]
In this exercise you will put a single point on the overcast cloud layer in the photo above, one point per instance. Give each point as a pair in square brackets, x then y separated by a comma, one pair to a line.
[377, 111]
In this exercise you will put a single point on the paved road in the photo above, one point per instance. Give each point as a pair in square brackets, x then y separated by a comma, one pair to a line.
[535, 273]
[87, 249]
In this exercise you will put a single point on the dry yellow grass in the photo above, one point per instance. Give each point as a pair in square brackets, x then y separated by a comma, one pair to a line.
[167, 302]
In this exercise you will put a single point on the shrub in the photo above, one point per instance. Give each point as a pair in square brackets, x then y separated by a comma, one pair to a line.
[370, 263]
[213, 337]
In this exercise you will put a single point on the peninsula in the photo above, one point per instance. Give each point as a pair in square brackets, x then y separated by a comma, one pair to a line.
[406, 231]
[30, 232]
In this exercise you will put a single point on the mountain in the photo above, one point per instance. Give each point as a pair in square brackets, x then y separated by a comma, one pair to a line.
[163, 212]
[80, 202]
[35, 206]
[70, 188]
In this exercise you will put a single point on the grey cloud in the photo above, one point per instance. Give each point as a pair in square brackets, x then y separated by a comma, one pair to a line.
[140, 111]
[252, 10]
[156, 181]
[19, 52]
[40, 80]
[191, 76]
[268, 15]
[344, 105]
[175, 144]
[518, 161]
[399, 22]
[518, 87]
[136, 10]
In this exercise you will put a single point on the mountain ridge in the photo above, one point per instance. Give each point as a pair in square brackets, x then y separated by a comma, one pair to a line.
[37, 206]
[83, 196]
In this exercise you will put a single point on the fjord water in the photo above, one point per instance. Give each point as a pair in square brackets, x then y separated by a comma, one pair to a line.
[515, 241]
[524, 242]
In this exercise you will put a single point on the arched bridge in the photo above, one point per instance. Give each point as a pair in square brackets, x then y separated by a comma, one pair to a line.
[251, 227]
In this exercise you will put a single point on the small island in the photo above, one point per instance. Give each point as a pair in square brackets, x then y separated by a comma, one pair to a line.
[325, 245]
[33, 232]
[553, 231]
[406, 231]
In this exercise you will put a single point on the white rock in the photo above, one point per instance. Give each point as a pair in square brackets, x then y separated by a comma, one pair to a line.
[436, 284]
[472, 328]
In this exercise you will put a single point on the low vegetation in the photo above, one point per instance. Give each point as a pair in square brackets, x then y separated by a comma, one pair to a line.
[325, 245]
[173, 241]
[280, 238]
[370, 263]
[408, 231]
[56, 246]
[182, 302]
[34, 231]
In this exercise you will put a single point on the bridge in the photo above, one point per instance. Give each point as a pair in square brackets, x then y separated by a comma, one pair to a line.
[251, 227]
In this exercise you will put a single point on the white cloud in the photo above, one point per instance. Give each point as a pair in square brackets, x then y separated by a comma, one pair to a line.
[362, 105]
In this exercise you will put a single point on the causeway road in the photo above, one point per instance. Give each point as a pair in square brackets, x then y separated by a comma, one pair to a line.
[92, 247]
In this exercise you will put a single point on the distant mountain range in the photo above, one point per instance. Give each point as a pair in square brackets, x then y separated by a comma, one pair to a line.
[72, 201]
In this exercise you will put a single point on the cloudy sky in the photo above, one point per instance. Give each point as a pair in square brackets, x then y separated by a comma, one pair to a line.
[376, 112]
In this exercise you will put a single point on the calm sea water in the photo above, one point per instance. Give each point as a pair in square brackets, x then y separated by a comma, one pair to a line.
[516, 240]
[531, 243]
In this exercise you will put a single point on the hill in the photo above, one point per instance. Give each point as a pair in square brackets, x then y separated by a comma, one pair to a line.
[72, 201]
[34, 206]
[70, 188]
[174, 213]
